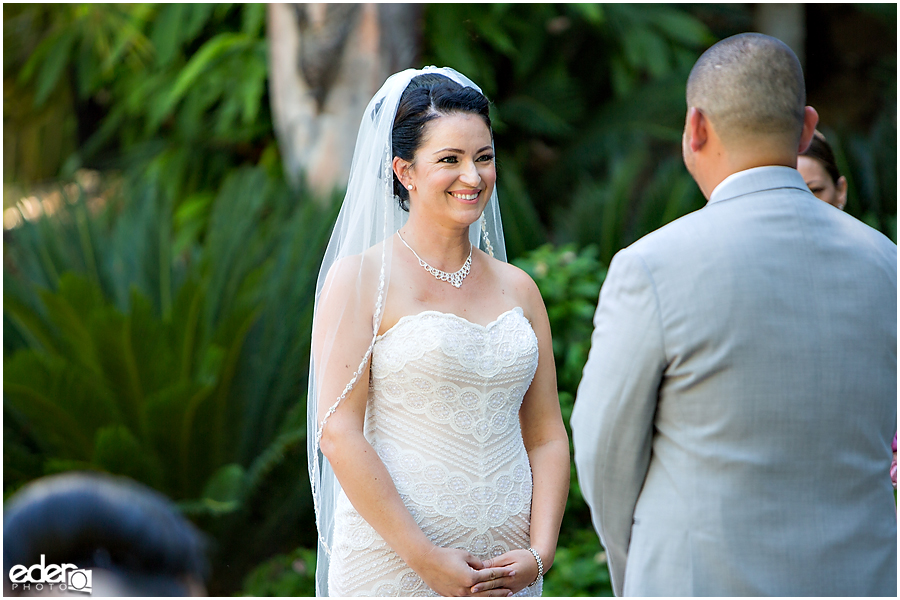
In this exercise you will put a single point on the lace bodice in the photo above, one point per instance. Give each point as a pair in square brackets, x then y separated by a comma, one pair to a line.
[442, 414]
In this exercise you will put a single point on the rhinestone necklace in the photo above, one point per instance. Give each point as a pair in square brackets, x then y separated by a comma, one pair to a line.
[454, 279]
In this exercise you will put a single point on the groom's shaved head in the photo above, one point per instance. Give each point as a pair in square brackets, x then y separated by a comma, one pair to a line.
[749, 86]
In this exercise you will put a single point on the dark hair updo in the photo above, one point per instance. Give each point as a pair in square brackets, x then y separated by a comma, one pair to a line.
[820, 149]
[427, 97]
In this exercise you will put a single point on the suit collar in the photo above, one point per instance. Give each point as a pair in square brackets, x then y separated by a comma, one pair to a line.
[757, 179]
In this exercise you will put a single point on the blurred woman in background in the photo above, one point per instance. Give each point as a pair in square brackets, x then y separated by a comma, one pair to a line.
[820, 172]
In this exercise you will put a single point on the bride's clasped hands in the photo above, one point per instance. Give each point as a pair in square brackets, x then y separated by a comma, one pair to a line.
[454, 572]
[522, 571]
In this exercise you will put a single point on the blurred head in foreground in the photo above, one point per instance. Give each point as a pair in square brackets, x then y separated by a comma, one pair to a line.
[95, 532]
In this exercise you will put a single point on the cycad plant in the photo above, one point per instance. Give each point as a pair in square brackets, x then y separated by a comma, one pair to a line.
[186, 372]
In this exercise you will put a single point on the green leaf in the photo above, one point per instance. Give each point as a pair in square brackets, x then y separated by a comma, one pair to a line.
[211, 365]
[118, 451]
[195, 207]
[253, 89]
[151, 344]
[165, 414]
[273, 455]
[222, 494]
[589, 11]
[285, 575]
[656, 53]
[212, 51]
[87, 69]
[185, 324]
[73, 330]
[680, 26]
[81, 294]
[30, 324]
[52, 69]
[61, 465]
[253, 17]
[187, 437]
[57, 431]
[206, 506]
[534, 116]
[200, 14]
[226, 485]
[166, 36]
[129, 40]
[522, 225]
[446, 22]
[116, 354]
[76, 391]
[22, 460]
[495, 35]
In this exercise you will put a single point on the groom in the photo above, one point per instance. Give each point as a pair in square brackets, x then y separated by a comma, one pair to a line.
[733, 427]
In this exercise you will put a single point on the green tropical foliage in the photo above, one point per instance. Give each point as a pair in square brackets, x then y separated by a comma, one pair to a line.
[184, 373]
[570, 282]
[589, 108]
[173, 90]
[159, 326]
[869, 162]
[285, 575]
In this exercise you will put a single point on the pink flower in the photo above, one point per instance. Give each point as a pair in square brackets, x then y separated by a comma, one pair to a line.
[894, 462]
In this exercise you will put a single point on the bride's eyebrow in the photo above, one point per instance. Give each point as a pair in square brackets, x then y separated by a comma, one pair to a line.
[458, 151]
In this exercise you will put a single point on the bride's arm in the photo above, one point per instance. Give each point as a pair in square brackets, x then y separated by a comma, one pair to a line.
[342, 333]
[369, 487]
[547, 444]
[546, 441]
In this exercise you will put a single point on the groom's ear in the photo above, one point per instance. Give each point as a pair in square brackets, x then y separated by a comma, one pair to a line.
[698, 128]
[810, 120]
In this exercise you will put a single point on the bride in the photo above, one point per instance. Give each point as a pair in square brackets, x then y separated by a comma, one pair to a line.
[439, 462]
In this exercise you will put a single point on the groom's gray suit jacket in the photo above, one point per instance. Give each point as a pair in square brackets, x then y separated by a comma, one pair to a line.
[733, 426]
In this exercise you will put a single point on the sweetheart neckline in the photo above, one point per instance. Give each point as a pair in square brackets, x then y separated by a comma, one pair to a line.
[516, 309]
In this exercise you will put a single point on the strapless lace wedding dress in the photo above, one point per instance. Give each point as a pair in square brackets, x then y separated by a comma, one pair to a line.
[443, 415]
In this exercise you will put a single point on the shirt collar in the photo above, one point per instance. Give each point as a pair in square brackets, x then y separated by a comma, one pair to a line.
[755, 180]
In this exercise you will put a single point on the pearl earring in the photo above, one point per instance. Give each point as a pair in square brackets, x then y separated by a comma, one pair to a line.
[409, 187]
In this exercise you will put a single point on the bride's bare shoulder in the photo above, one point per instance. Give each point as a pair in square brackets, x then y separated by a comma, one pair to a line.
[349, 273]
[517, 281]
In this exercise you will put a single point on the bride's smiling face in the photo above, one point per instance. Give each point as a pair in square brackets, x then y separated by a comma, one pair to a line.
[453, 172]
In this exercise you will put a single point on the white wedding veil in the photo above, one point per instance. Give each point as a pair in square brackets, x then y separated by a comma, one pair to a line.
[361, 245]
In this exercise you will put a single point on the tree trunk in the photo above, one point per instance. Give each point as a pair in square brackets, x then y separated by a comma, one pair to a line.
[326, 61]
[787, 22]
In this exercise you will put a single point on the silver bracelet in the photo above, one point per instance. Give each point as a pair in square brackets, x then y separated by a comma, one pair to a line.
[540, 565]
